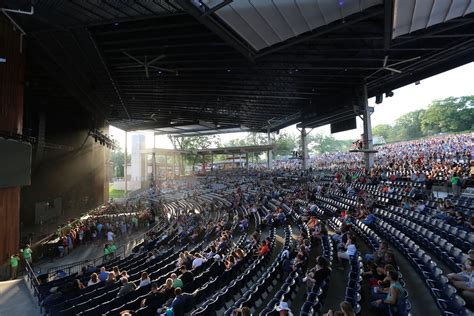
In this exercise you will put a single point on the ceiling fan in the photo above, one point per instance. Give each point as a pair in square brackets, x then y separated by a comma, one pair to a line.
[385, 66]
[147, 64]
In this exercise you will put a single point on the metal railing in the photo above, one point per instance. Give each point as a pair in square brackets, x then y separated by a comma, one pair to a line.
[121, 252]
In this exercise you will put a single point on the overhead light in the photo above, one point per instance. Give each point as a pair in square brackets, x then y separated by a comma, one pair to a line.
[3, 59]
[378, 98]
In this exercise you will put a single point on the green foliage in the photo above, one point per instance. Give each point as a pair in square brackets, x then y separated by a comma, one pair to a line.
[193, 143]
[116, 159]
[442, 116]
[285, 144]
[449, 115]
[320, 144]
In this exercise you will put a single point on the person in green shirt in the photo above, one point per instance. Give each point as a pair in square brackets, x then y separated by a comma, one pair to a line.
[14, 261]
[456, 184]
[27, 252]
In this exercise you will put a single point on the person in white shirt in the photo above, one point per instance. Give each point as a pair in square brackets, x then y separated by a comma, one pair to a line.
[198, 261]
[110, 236]
[350, 249]
[145, 280]
[94, 279]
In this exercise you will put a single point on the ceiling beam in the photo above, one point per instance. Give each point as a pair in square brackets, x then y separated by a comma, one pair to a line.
[388, 23]
[218, 29]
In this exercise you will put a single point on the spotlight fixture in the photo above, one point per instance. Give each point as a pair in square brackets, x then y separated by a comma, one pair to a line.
[389, 94]
[378, 98]
[103, 139]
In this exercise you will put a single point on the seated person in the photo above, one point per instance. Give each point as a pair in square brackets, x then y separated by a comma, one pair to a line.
[464, 281]
[319, 273]
[346, 310]
[127, 287]
[348, 250]
[393, 304]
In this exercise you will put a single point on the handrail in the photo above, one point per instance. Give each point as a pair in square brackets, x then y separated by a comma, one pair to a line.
[76, 266]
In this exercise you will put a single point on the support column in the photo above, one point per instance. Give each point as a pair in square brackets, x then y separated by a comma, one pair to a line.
[125, 165]
[212, 161]
[166, 166]
[153, 168]
[247, 160]
[304, 147]
[269, 153]
[368, 144]
[233, 161]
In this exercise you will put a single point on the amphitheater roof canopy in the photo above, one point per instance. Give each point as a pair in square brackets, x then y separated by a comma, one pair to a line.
[192, 67]
[215, 151]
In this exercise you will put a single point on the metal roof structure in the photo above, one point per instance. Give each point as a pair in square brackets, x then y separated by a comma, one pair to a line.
[206, 66]
[214, 151]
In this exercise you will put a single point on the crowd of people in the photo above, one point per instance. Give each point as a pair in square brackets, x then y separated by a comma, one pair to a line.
[417, 162]
[445, 158]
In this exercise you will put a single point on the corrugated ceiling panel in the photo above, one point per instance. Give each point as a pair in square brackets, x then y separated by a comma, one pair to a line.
[459, 8]
[253, 18]
[263, 23]
[421, 14]
[235, 21]
[292, 15]
[312, 13]
[272, 16]
[403, 13]
[365, 4]
[439, 12]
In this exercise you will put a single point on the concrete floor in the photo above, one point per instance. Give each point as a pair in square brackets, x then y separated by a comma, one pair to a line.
[16, 300]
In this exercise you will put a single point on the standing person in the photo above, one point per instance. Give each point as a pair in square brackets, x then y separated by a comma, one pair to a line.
[456, 184]
[27, 254]
[110, 236]
[14, 260]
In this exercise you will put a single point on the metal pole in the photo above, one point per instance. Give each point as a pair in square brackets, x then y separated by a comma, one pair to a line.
[368, 144]
[247, 160]
[166, 166]
[153, 169]
[269, 154]
[212, 161]
[304, 147]
[125, 165]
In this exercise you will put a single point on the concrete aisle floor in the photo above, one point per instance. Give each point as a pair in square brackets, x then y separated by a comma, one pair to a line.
[16, 300]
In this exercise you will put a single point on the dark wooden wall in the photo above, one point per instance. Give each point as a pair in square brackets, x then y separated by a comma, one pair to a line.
[11, 120]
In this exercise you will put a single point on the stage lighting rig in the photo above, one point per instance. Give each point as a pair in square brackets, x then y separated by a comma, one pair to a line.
[103, 139]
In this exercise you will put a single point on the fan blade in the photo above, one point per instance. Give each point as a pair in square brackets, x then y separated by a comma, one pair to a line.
[147, 74]
[404, 61]
[156, 59]
[372, 74]
[162, 69]
[135, 59]
[385, 61]
[394, 70]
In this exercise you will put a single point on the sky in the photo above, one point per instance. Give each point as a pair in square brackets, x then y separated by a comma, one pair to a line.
[456, 82]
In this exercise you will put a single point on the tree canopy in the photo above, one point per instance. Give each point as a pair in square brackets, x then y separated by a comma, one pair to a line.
[450, 115]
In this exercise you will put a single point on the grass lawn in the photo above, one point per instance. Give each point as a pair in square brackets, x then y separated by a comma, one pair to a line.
[114, 194]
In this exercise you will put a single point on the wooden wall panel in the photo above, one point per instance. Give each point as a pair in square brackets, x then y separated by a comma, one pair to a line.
[9, 221]
[11, 120]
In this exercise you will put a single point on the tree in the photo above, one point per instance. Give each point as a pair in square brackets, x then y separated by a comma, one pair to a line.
[384, 130]
[319, 144]
[453, 114]
[285, 144]
[194, 143]
[116, 159]
[408, 126]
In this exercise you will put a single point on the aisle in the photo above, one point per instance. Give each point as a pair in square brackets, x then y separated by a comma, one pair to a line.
[15, 299]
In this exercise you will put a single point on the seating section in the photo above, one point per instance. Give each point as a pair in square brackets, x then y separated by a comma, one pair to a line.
[431, 244]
